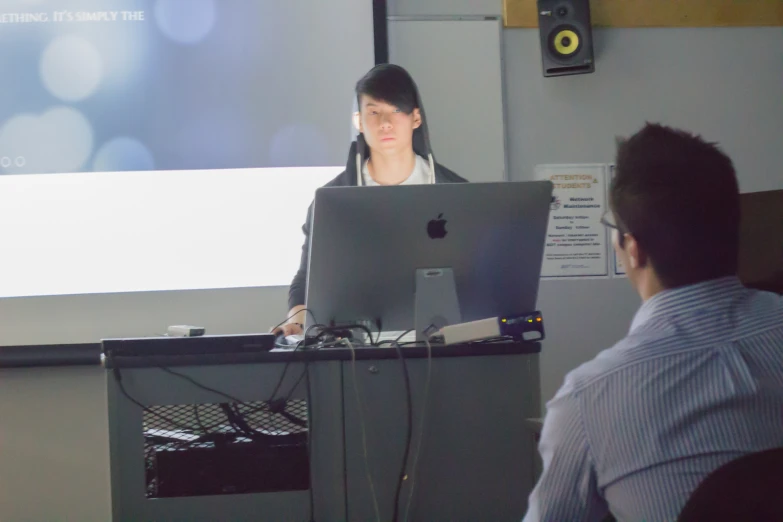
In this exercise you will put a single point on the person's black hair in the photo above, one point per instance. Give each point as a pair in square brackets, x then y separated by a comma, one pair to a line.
[391, 84]
[678, 196]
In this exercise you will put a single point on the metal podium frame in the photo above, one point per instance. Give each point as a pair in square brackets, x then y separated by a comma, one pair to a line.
[475, 455]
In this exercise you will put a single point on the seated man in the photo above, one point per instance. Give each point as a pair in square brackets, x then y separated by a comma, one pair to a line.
[698, 381]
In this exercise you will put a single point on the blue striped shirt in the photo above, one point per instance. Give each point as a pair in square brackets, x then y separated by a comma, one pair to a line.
[697, 382]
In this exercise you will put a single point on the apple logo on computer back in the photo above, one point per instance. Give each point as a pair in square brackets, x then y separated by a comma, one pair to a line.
[436, 228]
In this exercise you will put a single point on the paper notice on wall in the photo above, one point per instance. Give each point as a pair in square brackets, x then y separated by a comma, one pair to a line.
[576, 243]
[617, 264]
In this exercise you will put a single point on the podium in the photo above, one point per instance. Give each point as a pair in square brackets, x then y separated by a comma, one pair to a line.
[282, 435]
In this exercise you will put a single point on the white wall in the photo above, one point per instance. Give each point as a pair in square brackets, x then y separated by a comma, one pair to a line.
[723, 83]
[54, 448]
[90, 318]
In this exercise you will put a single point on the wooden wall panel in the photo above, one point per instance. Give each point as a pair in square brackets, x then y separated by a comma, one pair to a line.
[661, 13]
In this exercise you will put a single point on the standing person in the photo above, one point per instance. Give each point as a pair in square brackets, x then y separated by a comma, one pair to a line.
[392, 148]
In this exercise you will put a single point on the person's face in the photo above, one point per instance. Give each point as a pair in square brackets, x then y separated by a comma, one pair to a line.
[622, 255]
[626, 248]
[385, 127]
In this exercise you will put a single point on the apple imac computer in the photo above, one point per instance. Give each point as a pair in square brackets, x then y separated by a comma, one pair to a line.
[422, 256]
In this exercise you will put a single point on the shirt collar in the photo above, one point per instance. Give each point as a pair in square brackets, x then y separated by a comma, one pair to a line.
[687, 298]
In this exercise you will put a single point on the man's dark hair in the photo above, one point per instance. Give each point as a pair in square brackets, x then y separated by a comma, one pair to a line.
[678, 196]
[391, 84]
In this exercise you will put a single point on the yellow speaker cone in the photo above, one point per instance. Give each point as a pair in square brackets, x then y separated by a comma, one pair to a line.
[566, 42]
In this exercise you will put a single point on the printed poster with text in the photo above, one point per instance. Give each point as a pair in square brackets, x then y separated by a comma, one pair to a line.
[576, 243]
[617, 264]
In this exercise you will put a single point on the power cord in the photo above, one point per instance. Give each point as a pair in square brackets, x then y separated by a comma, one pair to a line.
[310, 431]
[194, 382]
[301, 343]
[306, 310]
[196, 414]
[415, 467]
[235, 417]
[338, 330]
[325, 330]
[408, 434]
[402, 336]
[146, 409]
[409, 430]
[363, 425]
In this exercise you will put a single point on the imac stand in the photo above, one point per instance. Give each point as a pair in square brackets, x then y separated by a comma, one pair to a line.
[436, 303]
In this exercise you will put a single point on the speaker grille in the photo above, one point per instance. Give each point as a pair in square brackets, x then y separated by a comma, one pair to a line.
[565, 41]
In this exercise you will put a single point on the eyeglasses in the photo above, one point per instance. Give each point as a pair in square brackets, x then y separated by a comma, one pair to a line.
[609, 221]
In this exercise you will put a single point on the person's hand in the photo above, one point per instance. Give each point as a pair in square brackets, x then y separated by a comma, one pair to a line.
[289, 329]
[295, 323]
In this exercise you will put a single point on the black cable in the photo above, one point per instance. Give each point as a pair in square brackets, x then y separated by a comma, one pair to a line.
[408, 434]
[425, 400]
[305, 373]
[278, 405]
[235, 418]
[280, 381]
[309, 441]
[241, 421]
[288, 362]
[147, 409]
[300, 344]
[299, 380]
[296, 384]
[292, 315]
[237, 421]
[403, 334]
[198, 420]
[350, 327]
[199, 385]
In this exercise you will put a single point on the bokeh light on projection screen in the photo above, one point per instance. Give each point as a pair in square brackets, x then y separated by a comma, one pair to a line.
[169, 144]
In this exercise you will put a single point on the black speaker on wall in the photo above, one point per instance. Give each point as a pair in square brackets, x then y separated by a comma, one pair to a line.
[566, 37]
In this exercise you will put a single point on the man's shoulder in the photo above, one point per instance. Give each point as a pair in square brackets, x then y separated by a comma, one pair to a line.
[343, 179]
[347, 178]
[633, 349]
[445, 175]
[658, 340]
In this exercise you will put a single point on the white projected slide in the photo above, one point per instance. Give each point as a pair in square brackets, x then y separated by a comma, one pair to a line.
[132, 231]
[151, 145]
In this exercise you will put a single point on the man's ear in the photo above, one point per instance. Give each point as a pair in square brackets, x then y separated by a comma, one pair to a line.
[637, 257]
[357, 121]
[416, 118]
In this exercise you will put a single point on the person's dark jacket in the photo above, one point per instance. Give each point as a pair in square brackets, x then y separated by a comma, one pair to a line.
[348, 178]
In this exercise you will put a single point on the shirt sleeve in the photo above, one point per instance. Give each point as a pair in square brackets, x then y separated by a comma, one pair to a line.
[567, 489]
[298, 288]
